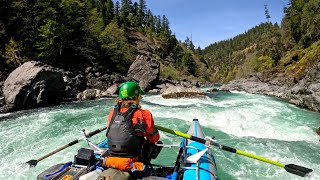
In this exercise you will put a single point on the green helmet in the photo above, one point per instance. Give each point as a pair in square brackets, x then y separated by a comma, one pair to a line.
[130, 89]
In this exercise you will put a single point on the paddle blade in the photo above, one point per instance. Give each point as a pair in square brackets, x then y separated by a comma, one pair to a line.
[32, 163]
[194, 158]
[297, 170]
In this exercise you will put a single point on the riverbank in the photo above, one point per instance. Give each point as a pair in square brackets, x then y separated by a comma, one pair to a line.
[304, 92]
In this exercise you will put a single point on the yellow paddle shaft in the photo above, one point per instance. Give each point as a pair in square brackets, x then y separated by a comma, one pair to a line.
[260, 158]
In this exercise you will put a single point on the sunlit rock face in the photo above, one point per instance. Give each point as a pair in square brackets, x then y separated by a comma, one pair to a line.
[146, 71]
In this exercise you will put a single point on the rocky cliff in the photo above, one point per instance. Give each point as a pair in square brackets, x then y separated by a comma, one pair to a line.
[304, 92]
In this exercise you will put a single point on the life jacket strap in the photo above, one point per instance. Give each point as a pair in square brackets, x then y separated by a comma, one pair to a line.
[115, 112]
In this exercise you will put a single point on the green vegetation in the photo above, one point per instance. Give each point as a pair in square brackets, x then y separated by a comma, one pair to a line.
[307, 58]
[270, 47]
[75, 34]
[169, 72]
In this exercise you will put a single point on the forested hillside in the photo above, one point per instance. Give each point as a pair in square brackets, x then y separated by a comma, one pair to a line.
[74, 34]
[288, 49]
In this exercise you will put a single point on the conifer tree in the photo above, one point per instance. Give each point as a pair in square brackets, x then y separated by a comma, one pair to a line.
[135, 9]
[191, 45]
[124, 12]
[109, 11]
[142, 12]
[158, 23]
[150, 21]
[165, 25]
[266, 12]
[187, 42]
[102, 10]
[198, 51]
[116, 17]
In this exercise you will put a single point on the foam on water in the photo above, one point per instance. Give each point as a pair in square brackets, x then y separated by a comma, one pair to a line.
[257, 116]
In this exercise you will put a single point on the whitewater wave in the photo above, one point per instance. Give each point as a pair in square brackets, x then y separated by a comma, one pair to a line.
[258, 116]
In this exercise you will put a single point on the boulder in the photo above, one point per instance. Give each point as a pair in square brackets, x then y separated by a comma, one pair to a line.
[74, 85]
[179, 91]
[156, 91]
[32, 85]
[114, 89]
[6, 108]
[318, 131]
[213, 90]
[91, 94]
[105, 94]
[146, 71]
[88, 94]
[1, 101]
[1, 87]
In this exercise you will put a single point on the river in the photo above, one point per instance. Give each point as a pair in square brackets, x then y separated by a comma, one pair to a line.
[261, 125]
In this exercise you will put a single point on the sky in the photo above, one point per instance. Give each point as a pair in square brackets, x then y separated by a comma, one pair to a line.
[209, 21]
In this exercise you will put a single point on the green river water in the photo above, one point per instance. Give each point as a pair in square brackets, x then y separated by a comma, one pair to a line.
[261, 125]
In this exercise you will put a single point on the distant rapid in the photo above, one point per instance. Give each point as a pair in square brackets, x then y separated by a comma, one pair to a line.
[261, 125]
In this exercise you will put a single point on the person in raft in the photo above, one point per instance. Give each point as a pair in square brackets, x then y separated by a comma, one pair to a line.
[132, 134]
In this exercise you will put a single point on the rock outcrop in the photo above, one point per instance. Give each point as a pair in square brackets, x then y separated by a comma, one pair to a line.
[180, 91]
[31, 85]
[99, 79]
[146, 71]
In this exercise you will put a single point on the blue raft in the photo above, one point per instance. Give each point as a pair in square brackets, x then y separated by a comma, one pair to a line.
[194, 161]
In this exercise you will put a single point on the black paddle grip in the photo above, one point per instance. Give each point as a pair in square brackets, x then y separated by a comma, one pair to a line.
[230, 149]
[96, 132]
[194, 138]
[73, 142]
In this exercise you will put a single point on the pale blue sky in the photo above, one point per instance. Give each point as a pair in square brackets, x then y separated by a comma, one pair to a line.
[211, 20]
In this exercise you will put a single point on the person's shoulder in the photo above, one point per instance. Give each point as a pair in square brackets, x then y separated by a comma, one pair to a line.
[146, 114]
[111, 111]
[145, 111]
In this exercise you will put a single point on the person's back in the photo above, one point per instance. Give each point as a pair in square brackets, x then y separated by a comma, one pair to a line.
[143, 122]
[129, 125]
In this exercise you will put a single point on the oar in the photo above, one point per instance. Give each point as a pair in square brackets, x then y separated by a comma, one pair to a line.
[177, 163]
[34, 162]
[291, 168]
